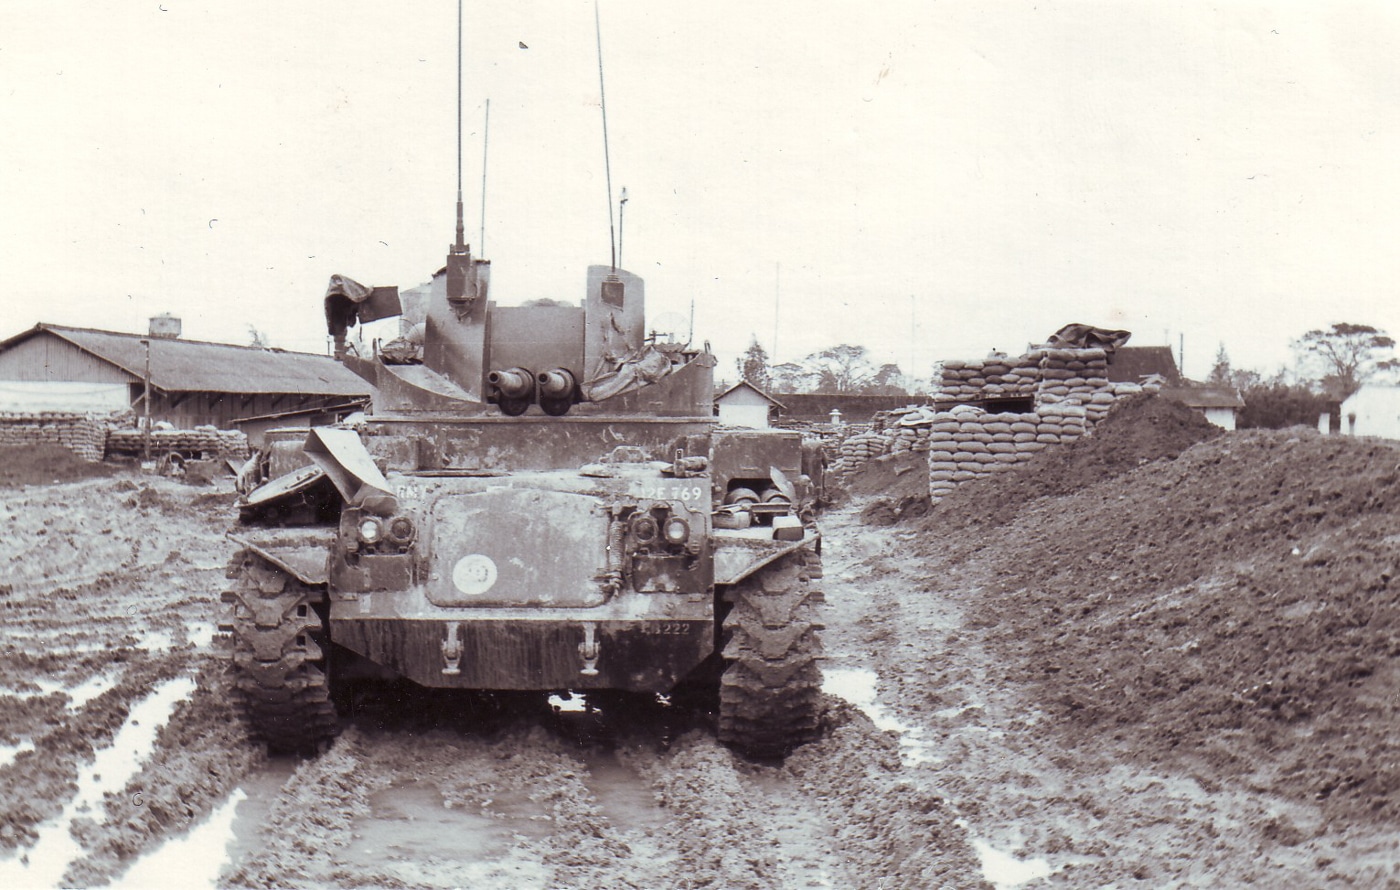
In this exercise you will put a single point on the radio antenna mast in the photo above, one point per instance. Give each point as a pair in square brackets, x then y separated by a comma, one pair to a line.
[460, 247]
[461, 275]
[607, 163]
[485, 143]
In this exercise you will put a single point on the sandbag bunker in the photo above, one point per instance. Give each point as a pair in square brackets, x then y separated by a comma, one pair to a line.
[1000, 412]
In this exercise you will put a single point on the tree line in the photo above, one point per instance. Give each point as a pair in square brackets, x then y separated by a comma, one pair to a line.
[1330, 364]
[836, 370]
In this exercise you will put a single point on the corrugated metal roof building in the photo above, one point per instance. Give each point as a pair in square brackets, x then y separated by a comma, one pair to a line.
[193, 383]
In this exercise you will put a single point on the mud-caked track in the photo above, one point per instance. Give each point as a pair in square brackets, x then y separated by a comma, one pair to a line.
[770, 693]
[275, 627]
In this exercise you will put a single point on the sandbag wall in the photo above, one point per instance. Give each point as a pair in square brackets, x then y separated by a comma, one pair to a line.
[1045, 374]
[968, 443]
[1069, 391]
[858, 443]
[205, 441]
[81, 434]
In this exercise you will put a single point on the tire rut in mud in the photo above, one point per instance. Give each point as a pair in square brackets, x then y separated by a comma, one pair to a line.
[36, 785]
[530, 800]
[200, 756]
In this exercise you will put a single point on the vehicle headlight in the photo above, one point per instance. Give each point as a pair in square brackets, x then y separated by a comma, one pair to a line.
[401, 530]
[676, 531]
[644, 529]
[371, 530]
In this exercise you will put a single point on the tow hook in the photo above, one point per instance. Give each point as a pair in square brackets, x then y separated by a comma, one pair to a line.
[588, 649]
[452, 651]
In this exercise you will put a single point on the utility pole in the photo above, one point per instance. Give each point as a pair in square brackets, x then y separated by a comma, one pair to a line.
[146, 405]
[777, 293]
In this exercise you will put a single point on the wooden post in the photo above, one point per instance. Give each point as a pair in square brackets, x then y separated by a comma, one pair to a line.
[146, 399]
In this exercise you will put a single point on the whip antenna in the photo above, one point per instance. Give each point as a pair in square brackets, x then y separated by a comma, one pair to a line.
[485, 137]
[607, 164]
[461, 275]
[460, 246]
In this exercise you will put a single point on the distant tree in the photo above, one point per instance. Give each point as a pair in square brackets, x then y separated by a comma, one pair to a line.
[790, 377]
[888, 381]
[1220, 371]
[841, 369]
[1275, 404]
[257, 338]
[1347, 354]
[753, 365]
[1223, 374]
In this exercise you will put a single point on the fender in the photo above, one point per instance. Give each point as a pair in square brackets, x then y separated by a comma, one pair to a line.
[738, 555]
[303, 553]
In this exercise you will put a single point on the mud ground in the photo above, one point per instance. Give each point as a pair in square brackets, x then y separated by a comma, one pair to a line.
[1167, 660]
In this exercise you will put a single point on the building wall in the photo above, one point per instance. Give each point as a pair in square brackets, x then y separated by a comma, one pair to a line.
[737, 414]
[46, 373]
[46, 357]
[744, 407]
[1221, 417]
[811, 406]
[63, 395]
[1372, 411]
[226, 410]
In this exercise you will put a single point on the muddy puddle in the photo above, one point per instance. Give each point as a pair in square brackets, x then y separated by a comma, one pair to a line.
[191, 862]
[415, 823]
[860, 687]
[1005, 871]
[256, 795]
[43, 864]
[626, 799]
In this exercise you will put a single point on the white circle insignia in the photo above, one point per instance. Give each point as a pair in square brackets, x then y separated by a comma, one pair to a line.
[474, 574]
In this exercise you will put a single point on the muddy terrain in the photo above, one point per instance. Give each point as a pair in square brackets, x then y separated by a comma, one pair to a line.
[1160, 658]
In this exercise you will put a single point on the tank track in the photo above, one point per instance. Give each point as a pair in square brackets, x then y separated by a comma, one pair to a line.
[280, 643]
[770, 691]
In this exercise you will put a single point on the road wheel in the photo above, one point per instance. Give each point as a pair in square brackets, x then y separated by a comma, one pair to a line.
[771, 687]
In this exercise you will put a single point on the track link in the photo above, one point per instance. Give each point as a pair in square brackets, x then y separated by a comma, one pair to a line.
[771, 687]
[279, 660]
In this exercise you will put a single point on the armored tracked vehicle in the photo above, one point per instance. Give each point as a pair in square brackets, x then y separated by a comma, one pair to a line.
[538, 498]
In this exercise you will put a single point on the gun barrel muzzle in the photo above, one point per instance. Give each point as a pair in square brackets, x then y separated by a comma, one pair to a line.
[513, 383]
[557, 384]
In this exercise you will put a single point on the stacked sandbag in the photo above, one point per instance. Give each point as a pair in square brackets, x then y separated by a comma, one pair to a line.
[1000, 377]
[1049, 375]
[858, 448]
[1071, 374]
[82, 434]
[968, 443]
[1101, 402]
[202, 441]
[905, 429]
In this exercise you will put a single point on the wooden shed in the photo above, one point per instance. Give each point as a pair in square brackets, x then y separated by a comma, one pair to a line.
[744, 404]
[192, 383]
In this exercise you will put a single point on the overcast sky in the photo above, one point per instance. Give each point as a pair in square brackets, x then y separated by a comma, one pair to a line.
[927, 179]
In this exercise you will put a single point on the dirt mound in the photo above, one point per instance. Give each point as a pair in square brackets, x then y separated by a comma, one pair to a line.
[1137, 431]
[45, 465]
[892, 475]
[1233, 612]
